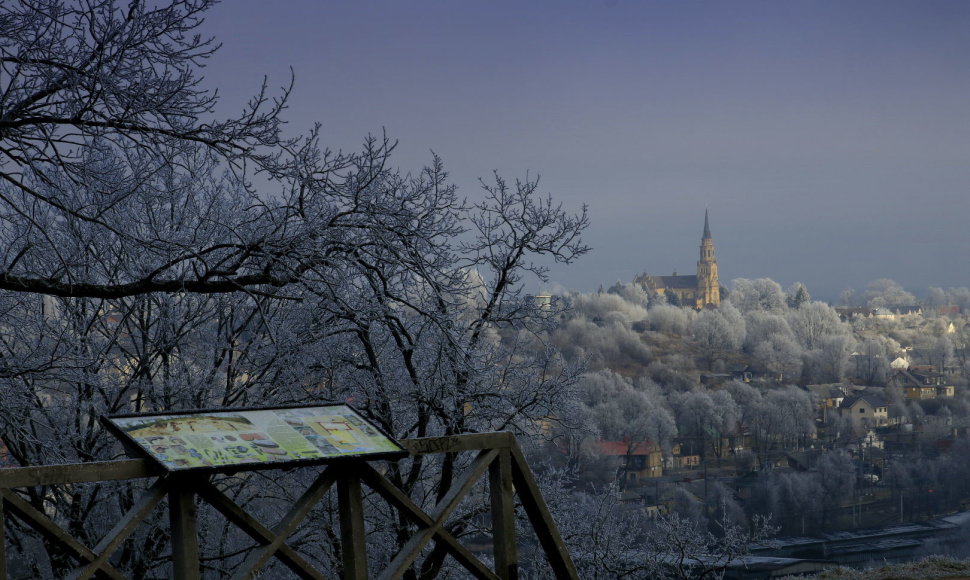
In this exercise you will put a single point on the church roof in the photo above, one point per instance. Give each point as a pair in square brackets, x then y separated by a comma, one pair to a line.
[656, 282]
[707, 228]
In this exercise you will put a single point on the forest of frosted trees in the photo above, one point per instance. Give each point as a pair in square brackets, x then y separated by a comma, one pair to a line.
[742, 389]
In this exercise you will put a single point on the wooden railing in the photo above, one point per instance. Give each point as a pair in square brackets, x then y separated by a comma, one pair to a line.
[499, 456]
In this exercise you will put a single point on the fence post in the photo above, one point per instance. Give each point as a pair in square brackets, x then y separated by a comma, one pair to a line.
[183, 517]
[353, 545]
[542, 522]
[503, 516]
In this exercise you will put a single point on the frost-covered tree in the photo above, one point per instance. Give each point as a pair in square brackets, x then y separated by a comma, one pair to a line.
[669, 319]
[602, 331]
[760, 294]
[779, 356]
[717, 332]
[797, 295]
[156, 257]
[829, 362]
[813, 321]
[633, 293]
[886, 293]
[108, 141]
[622, 412]
[706, 418]
[871, 363]
[760, 326]
[783, 420]
[794, 501]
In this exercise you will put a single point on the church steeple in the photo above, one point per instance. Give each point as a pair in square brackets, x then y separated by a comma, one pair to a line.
[708, 285]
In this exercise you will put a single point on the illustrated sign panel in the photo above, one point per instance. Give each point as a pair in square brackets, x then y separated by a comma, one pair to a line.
[255, 437]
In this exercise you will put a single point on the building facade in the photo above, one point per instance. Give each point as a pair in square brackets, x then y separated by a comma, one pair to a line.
[702, 290]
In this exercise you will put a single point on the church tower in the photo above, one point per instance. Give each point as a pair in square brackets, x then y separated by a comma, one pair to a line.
[708, 286]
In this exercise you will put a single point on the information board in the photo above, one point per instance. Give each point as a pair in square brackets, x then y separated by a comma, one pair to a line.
[254, 438]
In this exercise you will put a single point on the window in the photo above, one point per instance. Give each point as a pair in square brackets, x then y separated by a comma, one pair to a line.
[862, 409]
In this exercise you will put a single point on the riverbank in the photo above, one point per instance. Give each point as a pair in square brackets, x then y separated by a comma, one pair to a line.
[932, 549]
[930, 568]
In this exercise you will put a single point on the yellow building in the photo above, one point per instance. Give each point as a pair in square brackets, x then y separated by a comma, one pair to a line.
[701, 290]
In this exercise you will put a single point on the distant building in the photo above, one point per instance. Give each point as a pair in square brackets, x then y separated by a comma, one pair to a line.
[893, 313]
[639, 460]
[865, 410]
[922, 384]
[899, 363]
[542, 301]
[701, 290]
[829, 397]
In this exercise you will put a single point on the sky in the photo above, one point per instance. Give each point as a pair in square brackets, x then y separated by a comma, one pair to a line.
[830, 140]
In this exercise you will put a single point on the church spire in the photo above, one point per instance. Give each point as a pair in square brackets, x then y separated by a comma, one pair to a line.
[708, 286]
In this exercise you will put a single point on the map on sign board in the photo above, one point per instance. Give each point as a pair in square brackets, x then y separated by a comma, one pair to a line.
[255, 437]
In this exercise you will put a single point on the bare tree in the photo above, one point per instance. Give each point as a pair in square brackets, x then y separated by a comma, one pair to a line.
[687, 552]
[813, 321]
[707, 418]
[828, 363]
[599, 330]
[780, 356]
[177, 283]
[110, 141]
[762, 294]
[784, 420]
[760, 325]
[669, 319]
[886, 293]
[716, 333]
[610, 539]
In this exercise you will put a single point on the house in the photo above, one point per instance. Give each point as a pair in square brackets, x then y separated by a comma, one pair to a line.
[883, 314]
[908, 311]
[638, 460]
[919, 383]
[899, 312]
[828, 397]
[540, 301]
[742, 372]
[865, 410]
[900, 362]
[678, 459]
[919, 392]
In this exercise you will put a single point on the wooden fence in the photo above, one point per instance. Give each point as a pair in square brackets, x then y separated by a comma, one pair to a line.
[499, 458]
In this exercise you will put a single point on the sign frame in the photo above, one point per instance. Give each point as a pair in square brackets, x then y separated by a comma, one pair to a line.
[137, 447]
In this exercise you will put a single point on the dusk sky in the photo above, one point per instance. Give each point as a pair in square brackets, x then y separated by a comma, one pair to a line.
[830, 140]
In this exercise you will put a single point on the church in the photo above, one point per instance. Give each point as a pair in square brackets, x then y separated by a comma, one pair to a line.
[702, 290]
